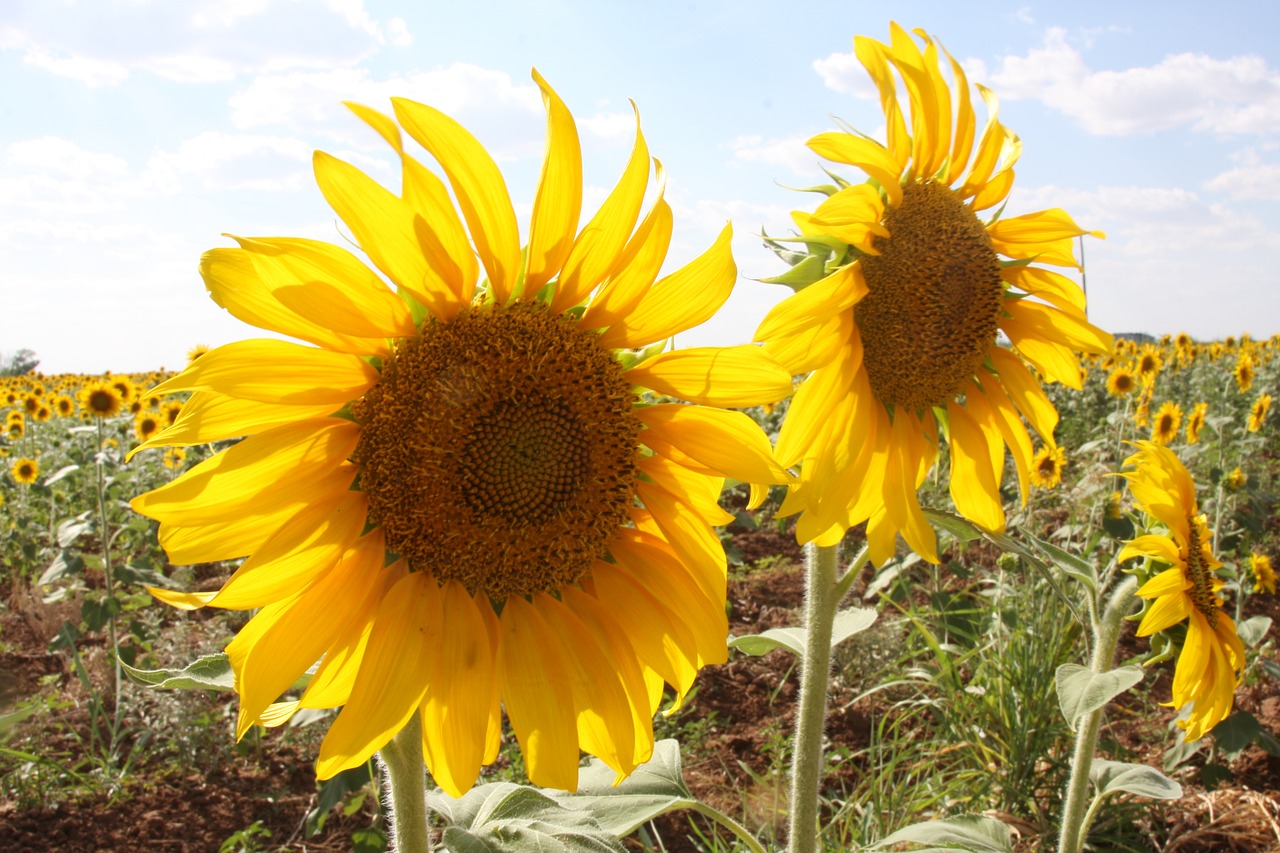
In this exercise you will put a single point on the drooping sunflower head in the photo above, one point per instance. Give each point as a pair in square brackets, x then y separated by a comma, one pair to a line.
[1164, 428]
[25, 471]
[900, 325]
[1264, 575]
[1258, 412]
[1195, 422]
[1180, 583]
[466, 496]
[1244, 371]
[101, 399]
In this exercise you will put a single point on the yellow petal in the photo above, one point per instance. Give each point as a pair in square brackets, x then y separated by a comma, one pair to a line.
[989, 147]
[479, 187]
[598, 248]
[207, 417]
[1162, 548]
[534, 676]
[234, 282]
[812, 308]
[1050, 286]
[873, 56]
[254, 475]
[1166, 611]
[853, 215]
[271, 371]
[966, 125]
[393, 675]
[385, 227]
[637, 267]
[725, 441]
[680, 301]
[455, 710]
[974, 489]
[1025, 392]
[448, 253]
[380, 122]
[994, 406]
[715, 376]
[818, 406]
[558, 203]
[1044, 226]
[329, 287]
[868, 155]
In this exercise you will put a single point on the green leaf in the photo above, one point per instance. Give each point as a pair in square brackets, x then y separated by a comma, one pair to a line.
[212, 672]
[134, 573]
[60, 473]
[11, 719]
[959, 527]
[653, 789]
[1112, 777]
[507, 818]
[809, 270]
[969, 832]
[1082, 691]
[1253, 630]
[64, 565]
[847, 623]
[1241, 729]
[333, 791]
[1072, 565]
[371, 839]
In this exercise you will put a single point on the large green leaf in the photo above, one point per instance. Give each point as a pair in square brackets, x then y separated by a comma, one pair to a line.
[1112, 777]
[212, 672]
[1082, 691]
[847, 623]
[507, 818]
[1253, 630]
[975, 833]
[1073, 566]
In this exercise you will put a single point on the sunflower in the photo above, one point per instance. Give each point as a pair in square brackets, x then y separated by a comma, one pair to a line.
[1149, 363]
[1258, 412]
[901, 344]
[1212, 656]
[1121, 381]
[174, 457]
[101, 399]
[1142, 414]
[25, 471]
[64, 406]
[1264, 576]
[1236, 480]
[195, 352]
[146, 425]
[463, 498]
[1164, 428]
[1244, 371]
[1046, 468]
[170, 409]
[1195, 422]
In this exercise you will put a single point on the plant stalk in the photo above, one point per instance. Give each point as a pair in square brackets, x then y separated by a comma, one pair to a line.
[108, 579]
[1106, 633]
[821, 600]
[407, 789]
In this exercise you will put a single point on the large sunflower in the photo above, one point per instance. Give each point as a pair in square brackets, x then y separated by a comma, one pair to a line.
[1212, 656]
[462, 497]
[901, 345]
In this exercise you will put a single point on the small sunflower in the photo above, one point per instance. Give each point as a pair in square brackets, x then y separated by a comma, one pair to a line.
[101, 399]
[1121, 381]
[1195, 422]
[196, 352]
[170, 409]
[1264, 576]
[1046, 468]
[900, 344]
[1244, 371]
[1164, 429]
[174, 457]
[1212, 655]
[463, 498]
[1236, 480]
[146, 425]
[64, 406]
[25, 471]
[1148, 363]
[1258, 412]
[1142, 414]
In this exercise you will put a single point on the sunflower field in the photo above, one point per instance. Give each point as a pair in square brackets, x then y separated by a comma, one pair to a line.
[477, 560]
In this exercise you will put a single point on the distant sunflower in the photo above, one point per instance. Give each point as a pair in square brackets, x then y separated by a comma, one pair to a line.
[146, 425]
[1244, 371]
[1236, 480]
[1195, 422]
[25, 471]
[1148, 363]
[1264, 576]
[901, 345]
[1258, 412]
[1212, 656]
[1121, 382]
[101, 399]
[1164, 429]
[174, 457]
[170, 409]
[462, 499]
[195, 352]
[64, 406]
[1046, 468]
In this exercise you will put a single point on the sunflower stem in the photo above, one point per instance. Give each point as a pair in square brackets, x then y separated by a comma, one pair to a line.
[821, 599]
[1106, 633]
[406, 789]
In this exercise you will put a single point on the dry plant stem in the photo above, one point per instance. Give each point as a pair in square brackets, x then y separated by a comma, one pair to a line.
[821, 599]
[1075, 826]
[407, 789]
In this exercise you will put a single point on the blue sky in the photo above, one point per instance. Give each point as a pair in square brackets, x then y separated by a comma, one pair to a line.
[133, 133]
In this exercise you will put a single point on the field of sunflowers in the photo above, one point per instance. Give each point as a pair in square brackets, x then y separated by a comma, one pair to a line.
[945, 704]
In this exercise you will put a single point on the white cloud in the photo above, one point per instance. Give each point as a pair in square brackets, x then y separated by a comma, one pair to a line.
[100, 41]
[611, 126]
[1236, 95]
[398, 32]
[844, 73]
[51, 154]
[225, 161]
[790, 152]
[1251, 181]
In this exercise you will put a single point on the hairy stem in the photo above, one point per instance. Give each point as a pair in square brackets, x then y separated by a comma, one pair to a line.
[407, 789]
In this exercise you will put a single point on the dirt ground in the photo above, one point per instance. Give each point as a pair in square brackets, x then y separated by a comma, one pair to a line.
[742, 711]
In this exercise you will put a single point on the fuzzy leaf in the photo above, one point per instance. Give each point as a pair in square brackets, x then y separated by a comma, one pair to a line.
[507, 818]
[975, 833]
[847, 623]
[1111, 777]
[1253, 630]
[212, 672]
[1082, 691]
